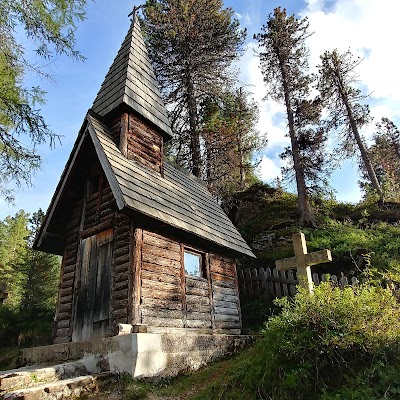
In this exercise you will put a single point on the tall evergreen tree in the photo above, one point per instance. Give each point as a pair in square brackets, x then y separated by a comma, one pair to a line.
[284, 64]
[192, 45]
[384, 154]
[49, 25]
[13, 249]
[41, 273]
[228, 128]
[344, 101]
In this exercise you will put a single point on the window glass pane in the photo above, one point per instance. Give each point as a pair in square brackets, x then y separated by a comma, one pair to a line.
[192, 264]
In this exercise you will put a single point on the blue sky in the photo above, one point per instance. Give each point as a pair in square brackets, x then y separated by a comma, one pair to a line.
[341, 24]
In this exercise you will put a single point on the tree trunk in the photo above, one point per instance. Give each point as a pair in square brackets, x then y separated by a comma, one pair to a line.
[364, 153]
[306, 213]
[194, 134]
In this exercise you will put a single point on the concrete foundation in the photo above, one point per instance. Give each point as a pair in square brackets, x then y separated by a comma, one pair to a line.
[141, 354]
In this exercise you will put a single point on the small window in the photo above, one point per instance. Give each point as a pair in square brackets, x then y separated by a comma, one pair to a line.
[193, 264]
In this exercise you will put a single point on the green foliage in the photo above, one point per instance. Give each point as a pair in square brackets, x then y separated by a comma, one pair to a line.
[334, 344]
[228, 128]
[32, 280]
[50, 26]
[192, 45]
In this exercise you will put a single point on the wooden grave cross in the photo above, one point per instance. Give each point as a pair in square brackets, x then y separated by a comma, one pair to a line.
[302, 261]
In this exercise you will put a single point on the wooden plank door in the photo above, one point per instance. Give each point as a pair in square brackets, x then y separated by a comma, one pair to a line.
[92, 297]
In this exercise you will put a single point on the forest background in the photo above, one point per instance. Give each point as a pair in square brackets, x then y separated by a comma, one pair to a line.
[340, 24]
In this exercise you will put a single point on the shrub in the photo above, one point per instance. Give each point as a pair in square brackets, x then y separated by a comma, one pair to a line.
[334, 344]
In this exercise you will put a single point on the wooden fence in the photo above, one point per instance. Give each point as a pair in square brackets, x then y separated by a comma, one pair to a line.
[270, 284]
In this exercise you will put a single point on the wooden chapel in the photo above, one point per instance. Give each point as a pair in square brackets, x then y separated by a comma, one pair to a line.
[143, 243]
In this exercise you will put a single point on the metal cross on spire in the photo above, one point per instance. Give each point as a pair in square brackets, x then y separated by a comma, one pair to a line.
[135, 10]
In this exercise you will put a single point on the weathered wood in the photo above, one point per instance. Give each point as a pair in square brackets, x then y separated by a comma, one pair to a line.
[121, 285]
[177, 323]
[162, 295]
[63, 332]
[174, 279]
[156, 285]
[121, 295]
[225, 304]
[303, 260]
[228, 285]
[196, 291]
[200, 283]
[124, 133]
[122, 268]
[226, 311]
[207, 260]
[67, 284]
[149, 258]
[63, 323]
[197, 299]
[159, 304]
[63, 316]
[161, 242]
[193, 323]
[224, 297]
[223, 278]
[227, 318]
[65, 307]
[198, 307]
[227, 291]
[160, 269]
[152, 312]
[161, 252]
[122, 277]
[197, 315]
[227, 324]
[137, 292]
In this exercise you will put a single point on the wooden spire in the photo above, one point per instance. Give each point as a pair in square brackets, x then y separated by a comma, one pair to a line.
[131, 81]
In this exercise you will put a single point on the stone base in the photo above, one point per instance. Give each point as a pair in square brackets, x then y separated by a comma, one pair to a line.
[141, 354]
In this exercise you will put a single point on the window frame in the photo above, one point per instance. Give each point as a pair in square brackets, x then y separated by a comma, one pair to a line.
[202, 267]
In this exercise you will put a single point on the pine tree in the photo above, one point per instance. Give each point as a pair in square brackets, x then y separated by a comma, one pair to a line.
[42, 273]
[284, 64]
[344, 101]
[384, 154]
[192, 45]
[228, 128]
[49, 25]
[13, 249]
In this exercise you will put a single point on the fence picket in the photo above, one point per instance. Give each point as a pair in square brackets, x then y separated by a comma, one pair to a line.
[269, 284]
[292, 287]
[277, 286]
[255, 280]
[264, 284]
[285, 286]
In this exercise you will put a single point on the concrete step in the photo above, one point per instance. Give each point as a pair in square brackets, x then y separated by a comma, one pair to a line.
[61, 389]
[33, 375]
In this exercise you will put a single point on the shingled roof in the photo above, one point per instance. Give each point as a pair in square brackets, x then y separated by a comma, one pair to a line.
[176, 199]
[131, 81]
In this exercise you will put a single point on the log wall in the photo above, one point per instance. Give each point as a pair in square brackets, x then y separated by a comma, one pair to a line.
[67, 276]
[225, 293]
[161, 289]
[169, 298]
[145, 145]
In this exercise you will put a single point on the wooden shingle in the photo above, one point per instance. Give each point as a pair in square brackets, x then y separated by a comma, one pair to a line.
[176, 198]
[131, 81]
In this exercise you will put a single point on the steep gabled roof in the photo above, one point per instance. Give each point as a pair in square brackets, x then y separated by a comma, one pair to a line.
[131, 81]
[176, 199]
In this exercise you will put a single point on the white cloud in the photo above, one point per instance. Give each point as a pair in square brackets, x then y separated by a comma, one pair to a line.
[269, 169]
[368, 28]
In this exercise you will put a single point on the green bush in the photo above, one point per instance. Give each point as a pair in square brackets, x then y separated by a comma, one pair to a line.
[334, 344]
